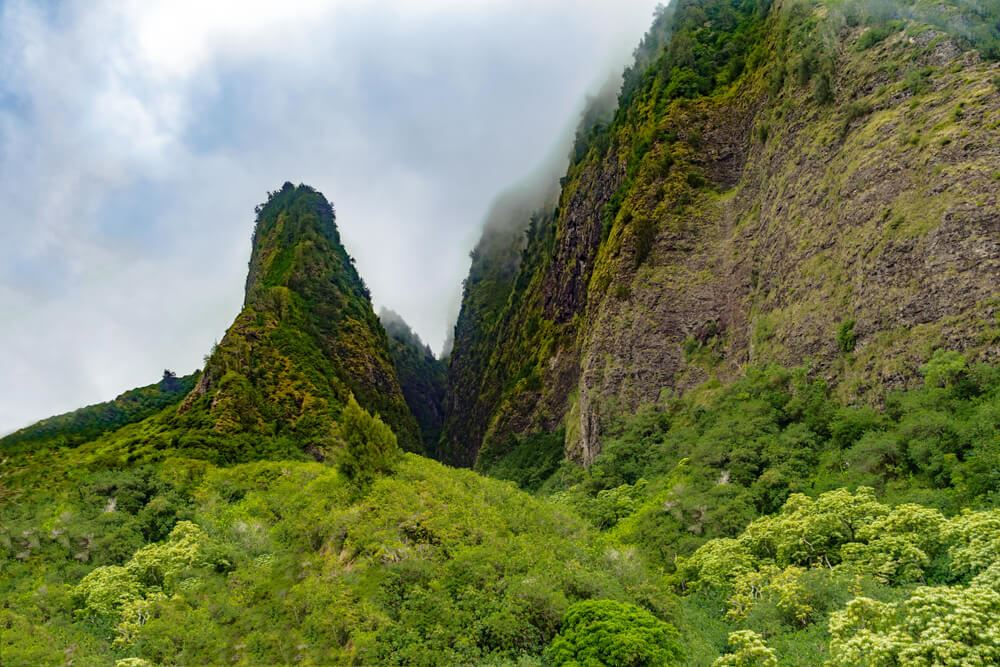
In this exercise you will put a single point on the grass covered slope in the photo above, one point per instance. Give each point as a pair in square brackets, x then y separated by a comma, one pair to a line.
[757, 518]
[290, 563]
[87, 423]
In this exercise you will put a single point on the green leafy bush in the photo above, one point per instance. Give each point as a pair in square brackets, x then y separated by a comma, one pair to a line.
[370, 447]
[747, 649]
[605, 632]
[846, 337]
[938, 625]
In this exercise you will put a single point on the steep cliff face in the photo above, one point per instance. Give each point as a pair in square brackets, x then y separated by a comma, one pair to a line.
[496, 261]
[802, 183]
[422, 377]
[306, 339]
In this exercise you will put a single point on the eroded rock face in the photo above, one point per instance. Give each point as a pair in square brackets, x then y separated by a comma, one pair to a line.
[578, 240]
[754, 226]
[830, 220]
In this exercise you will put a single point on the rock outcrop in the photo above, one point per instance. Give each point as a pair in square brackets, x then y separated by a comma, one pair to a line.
[832, 205]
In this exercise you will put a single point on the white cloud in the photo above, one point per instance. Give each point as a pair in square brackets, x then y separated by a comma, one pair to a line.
[136, 138]
[176, 38]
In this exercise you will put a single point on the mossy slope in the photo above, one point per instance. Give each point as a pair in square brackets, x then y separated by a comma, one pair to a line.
[422, 377]
[78, 426]
[306, 339]
[793, 182]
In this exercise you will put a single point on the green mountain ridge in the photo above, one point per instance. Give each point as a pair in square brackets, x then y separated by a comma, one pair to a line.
[422, 377]
[87, 423]
[306, 340]
[730, 390]
[751, 200]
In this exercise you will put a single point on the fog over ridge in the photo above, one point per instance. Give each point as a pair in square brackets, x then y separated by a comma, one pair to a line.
[136, 138]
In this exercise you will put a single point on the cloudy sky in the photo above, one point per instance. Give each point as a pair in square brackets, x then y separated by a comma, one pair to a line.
[137, 137]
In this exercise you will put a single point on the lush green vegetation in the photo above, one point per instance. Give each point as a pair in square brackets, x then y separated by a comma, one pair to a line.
[760, 522]
[306, 340]
[896, 585]
[605, 632]
[87, 423]
[273, 516]
[422, 377]
[975, 22]
[803, 529]
[724, 454]
[528, 461]
[292, 562]
[702, 470]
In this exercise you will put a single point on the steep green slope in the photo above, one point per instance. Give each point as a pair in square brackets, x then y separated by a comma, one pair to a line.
[305, 341]
[422, 377]
[736, 492]
[519, 218]
[307, 338]
[782, 182]
[495, 266]
[88, 423]
[727, 224]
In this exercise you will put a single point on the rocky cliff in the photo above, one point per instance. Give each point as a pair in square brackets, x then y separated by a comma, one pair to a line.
[797, 182]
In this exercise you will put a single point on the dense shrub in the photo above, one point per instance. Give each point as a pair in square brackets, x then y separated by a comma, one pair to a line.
[370, 447]
[605, 632]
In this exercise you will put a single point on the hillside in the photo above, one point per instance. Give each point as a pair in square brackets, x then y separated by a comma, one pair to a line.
[306, 339]
[729, 390]
[87, 423]
[752, 201]
[422, 377]
[305, 343]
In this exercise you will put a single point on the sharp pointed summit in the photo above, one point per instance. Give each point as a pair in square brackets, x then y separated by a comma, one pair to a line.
[306, 339]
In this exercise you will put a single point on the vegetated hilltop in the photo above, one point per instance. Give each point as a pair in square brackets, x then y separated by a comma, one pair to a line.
[87, 423]
[305, 342]
[789, 182]
[763, 314]
[306, 339]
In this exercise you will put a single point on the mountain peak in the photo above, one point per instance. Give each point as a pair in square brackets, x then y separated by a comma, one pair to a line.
[307, 337]
[290, 217]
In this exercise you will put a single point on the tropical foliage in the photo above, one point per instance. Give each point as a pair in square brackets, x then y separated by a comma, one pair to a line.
[270, 509]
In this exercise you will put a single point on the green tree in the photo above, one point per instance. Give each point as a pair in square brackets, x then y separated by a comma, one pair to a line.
[104, 592]
[944, 369]
[605, 632]
[370, 445]
[747, 649]
[937, 625]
